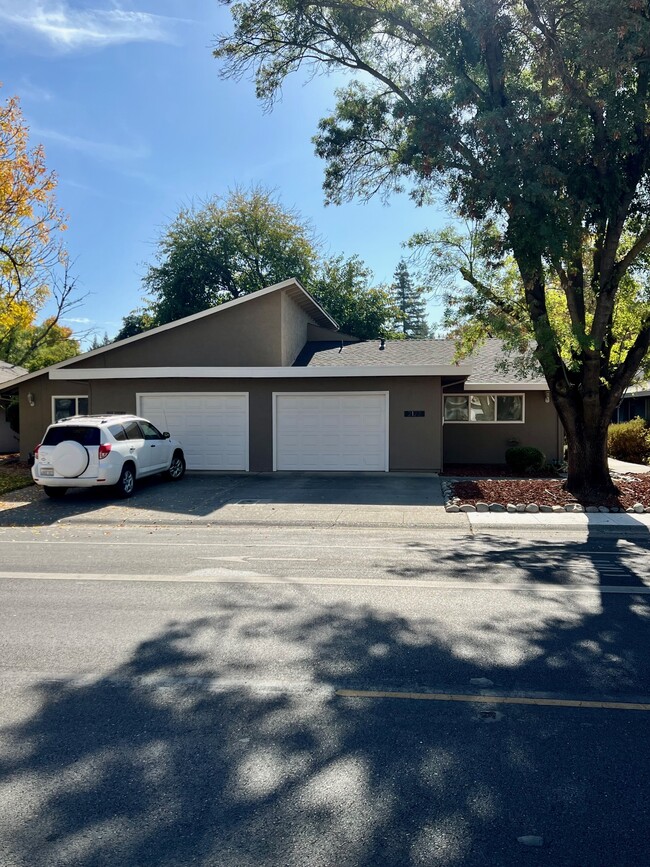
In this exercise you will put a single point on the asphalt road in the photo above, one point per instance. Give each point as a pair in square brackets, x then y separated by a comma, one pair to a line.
[218, 697]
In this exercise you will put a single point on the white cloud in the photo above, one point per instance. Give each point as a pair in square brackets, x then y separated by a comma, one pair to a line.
[78, 320]
[103, 150]
[68, 29]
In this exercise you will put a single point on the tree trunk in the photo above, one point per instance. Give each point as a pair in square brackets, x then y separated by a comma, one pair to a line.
[588, 474]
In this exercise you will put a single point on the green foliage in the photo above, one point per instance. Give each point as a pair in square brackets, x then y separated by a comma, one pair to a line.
[38, 346]
[135, 323]
[225, 249]
[629, 441]
[412, 303]
[531, 117]
[344, 288]
[97, 342]
[525, 460]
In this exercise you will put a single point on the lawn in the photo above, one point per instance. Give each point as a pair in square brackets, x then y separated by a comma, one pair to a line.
[14, 477]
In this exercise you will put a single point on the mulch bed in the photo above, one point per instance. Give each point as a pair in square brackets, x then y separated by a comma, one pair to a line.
[548, 492]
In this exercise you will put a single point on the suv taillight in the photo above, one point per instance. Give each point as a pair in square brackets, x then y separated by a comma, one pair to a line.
[104, 450]
[36, 448]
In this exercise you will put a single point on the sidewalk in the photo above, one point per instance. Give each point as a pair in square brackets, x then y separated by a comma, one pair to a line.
[600, 523]
[625, 467]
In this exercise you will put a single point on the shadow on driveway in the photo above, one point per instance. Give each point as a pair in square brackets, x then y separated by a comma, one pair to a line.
[200, 496]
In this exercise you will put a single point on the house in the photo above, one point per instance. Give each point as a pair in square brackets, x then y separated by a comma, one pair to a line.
[635, 402]
[8, 437]
[267, 382]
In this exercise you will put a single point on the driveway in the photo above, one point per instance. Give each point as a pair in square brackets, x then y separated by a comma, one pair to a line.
[275, 499]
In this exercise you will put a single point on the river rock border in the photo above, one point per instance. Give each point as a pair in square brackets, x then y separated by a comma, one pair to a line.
[455, 504]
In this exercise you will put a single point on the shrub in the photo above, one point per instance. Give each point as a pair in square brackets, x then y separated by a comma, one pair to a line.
[629, 441]
[525, 460]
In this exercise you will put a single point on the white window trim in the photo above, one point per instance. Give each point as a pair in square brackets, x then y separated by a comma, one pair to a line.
[74, 397]
[277, 394]
[493, 394]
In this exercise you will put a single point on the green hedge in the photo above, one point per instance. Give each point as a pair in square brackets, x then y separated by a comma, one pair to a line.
[629, 441]
[525, 460]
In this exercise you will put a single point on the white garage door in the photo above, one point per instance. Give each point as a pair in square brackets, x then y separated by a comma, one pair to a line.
[330, 431]
[213, 428]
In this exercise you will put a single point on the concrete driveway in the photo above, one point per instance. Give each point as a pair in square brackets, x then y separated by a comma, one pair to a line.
[274, 499]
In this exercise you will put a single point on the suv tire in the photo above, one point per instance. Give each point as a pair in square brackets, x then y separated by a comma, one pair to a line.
[54, 493]
[176, 469]
[126, 483]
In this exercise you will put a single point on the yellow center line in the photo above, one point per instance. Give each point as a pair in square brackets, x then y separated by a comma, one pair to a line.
[492, 699]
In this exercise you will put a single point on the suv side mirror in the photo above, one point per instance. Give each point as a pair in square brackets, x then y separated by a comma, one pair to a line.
[166, 435]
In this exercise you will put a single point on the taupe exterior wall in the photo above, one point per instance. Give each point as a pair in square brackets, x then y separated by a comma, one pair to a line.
[414, 443]
[317, 332]
[294, 330]
[248, 335]
[486, 443]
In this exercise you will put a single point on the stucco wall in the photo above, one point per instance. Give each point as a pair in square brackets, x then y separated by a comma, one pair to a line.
[246, 335]
[8, 438]
[294, 330]
[486, 443]
[414, 442]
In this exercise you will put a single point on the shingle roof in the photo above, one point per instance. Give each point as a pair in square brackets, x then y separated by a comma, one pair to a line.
[10, 371]
[485, 360]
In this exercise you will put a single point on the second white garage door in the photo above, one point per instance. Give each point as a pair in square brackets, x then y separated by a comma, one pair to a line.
[331, 431]
[213, 428]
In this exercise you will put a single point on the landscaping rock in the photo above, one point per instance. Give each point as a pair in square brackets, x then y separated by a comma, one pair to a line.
[521, 507]
[591, 509]
[557, 508]
[497, 507]
[511, 508]
[638, 507]
[532, 507]
[482, 507]
[574, 507]
[467, 508]
[603, 509]
[546, 509]
[452, 508]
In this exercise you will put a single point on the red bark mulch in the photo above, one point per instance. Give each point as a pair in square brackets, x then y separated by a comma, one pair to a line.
[633, 488]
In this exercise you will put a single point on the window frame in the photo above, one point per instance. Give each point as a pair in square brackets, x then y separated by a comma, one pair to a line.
[76, 398]
[495, 394]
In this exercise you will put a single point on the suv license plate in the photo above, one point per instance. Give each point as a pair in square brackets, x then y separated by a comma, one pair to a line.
[47, 471]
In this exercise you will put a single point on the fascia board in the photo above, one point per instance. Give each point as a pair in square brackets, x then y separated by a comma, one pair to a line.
[516, 385]
[257, 372]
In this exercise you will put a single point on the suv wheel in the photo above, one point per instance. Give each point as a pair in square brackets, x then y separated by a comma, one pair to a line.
[126, 484]
[54, 493]
[176, 469]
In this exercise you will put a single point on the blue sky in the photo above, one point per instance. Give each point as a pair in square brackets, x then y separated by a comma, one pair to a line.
[127, 100]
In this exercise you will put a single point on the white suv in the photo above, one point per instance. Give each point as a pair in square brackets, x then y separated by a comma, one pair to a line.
[87, 450]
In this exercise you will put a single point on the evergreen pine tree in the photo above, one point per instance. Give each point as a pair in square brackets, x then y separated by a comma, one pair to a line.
[412, 304]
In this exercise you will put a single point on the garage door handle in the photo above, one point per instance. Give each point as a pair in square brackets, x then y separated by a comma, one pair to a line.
[153, 445]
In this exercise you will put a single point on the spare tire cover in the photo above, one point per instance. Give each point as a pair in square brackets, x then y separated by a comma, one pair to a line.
[70, 459]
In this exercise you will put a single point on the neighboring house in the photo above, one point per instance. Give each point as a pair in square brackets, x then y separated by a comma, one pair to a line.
[635, 402]
[9, 439]
[266, 382]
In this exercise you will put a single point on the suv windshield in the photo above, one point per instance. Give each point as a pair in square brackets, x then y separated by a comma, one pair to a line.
[84, 435]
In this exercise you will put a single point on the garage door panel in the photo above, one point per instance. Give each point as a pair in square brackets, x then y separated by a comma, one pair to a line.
[213, 428]
[331, 431]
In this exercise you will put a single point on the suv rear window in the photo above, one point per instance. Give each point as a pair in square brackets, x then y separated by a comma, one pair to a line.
[84, 435]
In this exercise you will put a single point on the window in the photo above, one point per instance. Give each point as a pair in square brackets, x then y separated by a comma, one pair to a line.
[483, 408]
[132, 431]
[64, 407]
[118, 432]
[85, 436]
[150, 432]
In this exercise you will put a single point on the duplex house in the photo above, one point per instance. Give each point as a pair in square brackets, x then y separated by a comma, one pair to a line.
[268, 382]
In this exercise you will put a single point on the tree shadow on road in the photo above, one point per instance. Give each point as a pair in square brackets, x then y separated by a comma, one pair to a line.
[182, 755]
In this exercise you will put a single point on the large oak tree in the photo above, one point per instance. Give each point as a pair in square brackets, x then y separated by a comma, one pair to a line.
[532, 113]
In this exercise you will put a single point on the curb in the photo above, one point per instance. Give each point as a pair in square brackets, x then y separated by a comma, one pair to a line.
[453, 504]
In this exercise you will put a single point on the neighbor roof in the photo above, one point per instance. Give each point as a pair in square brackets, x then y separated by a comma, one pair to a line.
[485, 361]
[10, 371]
